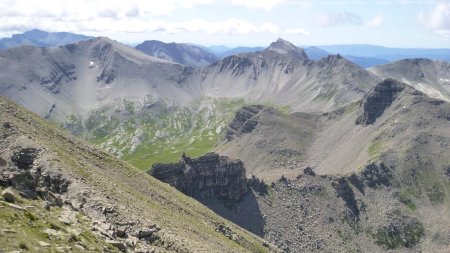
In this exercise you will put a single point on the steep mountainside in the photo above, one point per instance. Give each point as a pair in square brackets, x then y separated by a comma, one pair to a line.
[40, 38]
[430, 77]
[144, 109]
[283, 75]
[382, 174]
[181, 53]
[82, 188]
[77, 78]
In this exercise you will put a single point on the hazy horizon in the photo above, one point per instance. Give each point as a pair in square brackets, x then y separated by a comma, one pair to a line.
[394, 24]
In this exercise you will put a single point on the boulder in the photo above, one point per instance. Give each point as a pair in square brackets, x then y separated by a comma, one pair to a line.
[121, 231]
[2, 162]
[24, 158]
[309, 171]
[8, 195]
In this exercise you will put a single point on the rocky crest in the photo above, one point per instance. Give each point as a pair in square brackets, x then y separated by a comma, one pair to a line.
[31, 178]
[209, 176]
[377, 100]
[344, 191]
[282, 46]
[245, 121]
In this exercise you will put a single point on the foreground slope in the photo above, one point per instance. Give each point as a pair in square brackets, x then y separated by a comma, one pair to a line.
[128, 208]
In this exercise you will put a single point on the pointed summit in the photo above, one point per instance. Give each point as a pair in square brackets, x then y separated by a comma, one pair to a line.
[282, 46]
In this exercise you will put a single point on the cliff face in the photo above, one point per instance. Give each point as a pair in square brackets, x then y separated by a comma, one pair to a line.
[244, 122]
[209, 176]
[377, 100]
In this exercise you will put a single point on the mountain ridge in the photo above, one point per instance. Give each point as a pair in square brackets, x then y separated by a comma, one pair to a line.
[181, 53]
[41, 38]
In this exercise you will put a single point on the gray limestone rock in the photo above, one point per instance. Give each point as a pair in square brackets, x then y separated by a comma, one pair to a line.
[208, 176]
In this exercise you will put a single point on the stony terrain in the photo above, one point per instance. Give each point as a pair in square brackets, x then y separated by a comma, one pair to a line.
[387, 189]
[65, 195]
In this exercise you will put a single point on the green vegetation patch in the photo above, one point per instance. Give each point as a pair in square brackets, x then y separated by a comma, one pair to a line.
[152, 131]
[401, 231]
[375, 148]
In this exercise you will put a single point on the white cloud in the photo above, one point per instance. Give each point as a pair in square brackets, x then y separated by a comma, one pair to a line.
[438, 18]
[262, 4]
[230, 26]
[339, 18]
[297, 31]
[376, 21]
[109, 16]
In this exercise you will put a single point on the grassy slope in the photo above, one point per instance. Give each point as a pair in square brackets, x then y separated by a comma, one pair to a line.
[188, 225]
[143, 135]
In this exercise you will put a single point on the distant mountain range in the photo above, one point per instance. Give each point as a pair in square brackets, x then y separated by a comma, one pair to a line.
[198, 56]
[185, 54]
[390, 54]
[40, 38]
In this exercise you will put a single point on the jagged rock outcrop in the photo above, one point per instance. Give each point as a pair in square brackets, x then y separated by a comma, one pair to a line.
[376, 174]
[377, 100]
[245, 121]
[33, 178]
[258, 185]
[344, 191]
[209, 176]
[373, 175]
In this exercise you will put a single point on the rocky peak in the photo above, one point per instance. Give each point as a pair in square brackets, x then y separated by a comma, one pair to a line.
[208, 176]
[334, 59]
[282, 46]
[378, 100]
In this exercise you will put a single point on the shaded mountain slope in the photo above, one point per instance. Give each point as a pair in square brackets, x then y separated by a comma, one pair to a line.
[41, 160]
[430, 77]
[181, 53]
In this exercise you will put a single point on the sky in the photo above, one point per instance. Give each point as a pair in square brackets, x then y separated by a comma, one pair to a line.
[392, 23]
